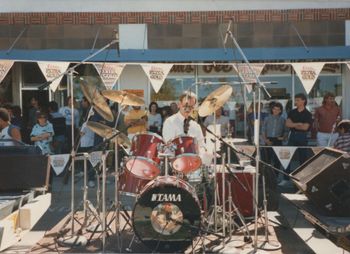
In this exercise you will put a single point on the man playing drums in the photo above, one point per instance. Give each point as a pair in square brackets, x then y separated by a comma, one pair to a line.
[180, 130]
[180, 123]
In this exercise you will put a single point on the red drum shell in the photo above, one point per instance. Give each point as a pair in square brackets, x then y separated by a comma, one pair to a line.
[146, 145]
[186, 154]
[131, 184]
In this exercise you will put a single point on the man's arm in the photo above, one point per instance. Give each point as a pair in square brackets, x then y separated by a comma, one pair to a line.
[16, 134]
[297, 126]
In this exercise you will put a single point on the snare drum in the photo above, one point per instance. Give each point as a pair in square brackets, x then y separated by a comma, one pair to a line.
[186, 154]
[167, 215]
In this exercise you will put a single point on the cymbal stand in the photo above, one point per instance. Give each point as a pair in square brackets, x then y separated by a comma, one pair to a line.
[73, 239]
[116, 204]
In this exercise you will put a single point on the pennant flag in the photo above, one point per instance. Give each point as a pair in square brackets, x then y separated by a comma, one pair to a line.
[109, 73]
[51, 70]
[59, 162]
[156, 74]
[284, 154]
[247, 74]
[308, 73]
[5, 66]
[95, 157]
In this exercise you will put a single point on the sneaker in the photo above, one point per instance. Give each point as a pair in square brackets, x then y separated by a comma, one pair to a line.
[285, 183]
[91, 184]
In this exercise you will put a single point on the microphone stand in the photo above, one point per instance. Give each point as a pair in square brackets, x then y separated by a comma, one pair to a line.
[256, 136]
[73, 239]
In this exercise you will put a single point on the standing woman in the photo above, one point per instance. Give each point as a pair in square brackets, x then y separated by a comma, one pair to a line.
[154, 118]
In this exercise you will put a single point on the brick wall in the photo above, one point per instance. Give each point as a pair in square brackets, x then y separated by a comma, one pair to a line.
[214, 17]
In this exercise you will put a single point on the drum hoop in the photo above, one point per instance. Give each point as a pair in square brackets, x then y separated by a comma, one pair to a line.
[183, 136]
[187, 155]
[188, 187]
[149, 133]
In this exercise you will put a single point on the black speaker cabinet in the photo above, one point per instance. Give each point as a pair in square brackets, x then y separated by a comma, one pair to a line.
[325, 180]
[23, 171]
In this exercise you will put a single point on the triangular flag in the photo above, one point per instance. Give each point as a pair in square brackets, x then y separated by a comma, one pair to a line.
[5, 66]
[59, 162]
[156, 74]
[308, 73]
[246, 74]
[109, 73]
[95, 157]
[284, 154]
[51, 70]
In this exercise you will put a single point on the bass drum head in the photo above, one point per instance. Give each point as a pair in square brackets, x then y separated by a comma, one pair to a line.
[166, 217]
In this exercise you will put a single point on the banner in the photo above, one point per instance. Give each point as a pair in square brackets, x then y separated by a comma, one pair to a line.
[59, 162]
[5, 66]
[284, 154]
[95, 157]
[51, 70]
[308, 73]
[246, 73]
[109, 73]
[156, 74]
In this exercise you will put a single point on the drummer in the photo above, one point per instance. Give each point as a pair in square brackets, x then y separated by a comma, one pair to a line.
[180, 123]
[135, 121]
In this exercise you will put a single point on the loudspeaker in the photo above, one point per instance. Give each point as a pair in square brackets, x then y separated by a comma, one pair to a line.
[325, 180]
[23, 171]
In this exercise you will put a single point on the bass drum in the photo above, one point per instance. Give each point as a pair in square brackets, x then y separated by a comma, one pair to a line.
[167, 215]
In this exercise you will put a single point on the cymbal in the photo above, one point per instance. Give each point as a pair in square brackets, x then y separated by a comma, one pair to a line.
[96, 100]
[123, 97]
[107, 132]
[215, 100]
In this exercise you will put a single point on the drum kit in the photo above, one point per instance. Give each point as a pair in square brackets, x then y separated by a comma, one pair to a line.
[168, 213]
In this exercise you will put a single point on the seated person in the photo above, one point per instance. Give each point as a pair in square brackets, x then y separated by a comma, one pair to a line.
[343, 141]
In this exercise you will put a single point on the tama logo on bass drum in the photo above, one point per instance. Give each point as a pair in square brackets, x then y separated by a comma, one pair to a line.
[166, 197]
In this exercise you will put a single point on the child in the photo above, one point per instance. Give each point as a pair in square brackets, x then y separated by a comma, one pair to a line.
[42, 133]
[343, 141]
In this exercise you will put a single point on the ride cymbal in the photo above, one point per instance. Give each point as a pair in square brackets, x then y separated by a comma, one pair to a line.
[107, 132]
[215, 100]
[123, 97]
[96, 100]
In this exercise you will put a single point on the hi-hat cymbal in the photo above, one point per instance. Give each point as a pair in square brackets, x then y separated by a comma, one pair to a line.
[107, 132]
[123, 97]
[215, 100]
[93, 95]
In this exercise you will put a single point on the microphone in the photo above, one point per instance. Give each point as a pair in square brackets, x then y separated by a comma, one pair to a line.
[117, 44]
[228, 30]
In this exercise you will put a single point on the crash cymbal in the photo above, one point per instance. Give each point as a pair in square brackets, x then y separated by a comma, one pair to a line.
[107, 132]
[93, 95]
[215, 100]
[123, 97]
